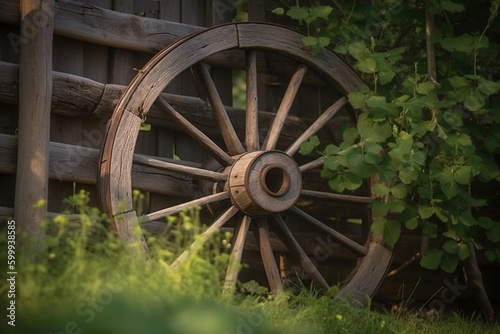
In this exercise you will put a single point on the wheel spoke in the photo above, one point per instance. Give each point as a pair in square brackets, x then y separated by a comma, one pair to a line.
[252, 121]
[336, 197]
[348, 243]
[236, 254]
[317, 125]
[287, 237]
[229, 135]
[268, 259]
[180, 169]
[199, 136]
[216, 225]
[178, 208]
[311, 165]
[284, 108]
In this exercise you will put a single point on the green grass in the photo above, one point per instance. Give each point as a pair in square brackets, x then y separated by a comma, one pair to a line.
[85, 281]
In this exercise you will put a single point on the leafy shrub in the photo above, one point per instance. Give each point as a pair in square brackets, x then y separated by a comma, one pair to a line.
[427, 138]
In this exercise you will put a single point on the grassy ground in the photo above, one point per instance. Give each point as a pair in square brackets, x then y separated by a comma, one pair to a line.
[85, 282]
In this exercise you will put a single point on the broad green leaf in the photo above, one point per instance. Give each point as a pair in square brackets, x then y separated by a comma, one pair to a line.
[490, 255]
[463, 175]
[324, 41]
[352, 181]
[392, 232]
[380, 208]
[400, 190]
[310, 41]
[331, 149]
[430, 229]
[425, 88]
[464, 139]
[367, 65]
[306, 148]
[432, 259]
[385, 173]
[412, 223]
[357, 99]
[481, 42]
[463, 251]
[354, 158]
[458, 82]
[389, 229]
[373, 131]
[419, 158]
[425, 212]
[473, 99]
[372, 147]
[380, 189]
[467, 219]
[380, 109]
[397, 205]
[485, 222]
[321, 11]
[453, 118]
[350, 135]
[372, 159]
[449, 263]
[378, 225]
[278, 11]
[451, 247]
[450, 189]
[463, 43]
[298, 13]
[493, 233]
[452, 7]
[331, 163]
[488, 87]
[359, 50]
[443, 215]
[386, 76]
[314, 140]
[336, 184]
[408, 174]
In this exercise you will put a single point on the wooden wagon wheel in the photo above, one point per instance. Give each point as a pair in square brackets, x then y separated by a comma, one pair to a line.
[255, 184]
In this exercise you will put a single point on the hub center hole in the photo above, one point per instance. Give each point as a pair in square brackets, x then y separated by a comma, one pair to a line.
[275, 181]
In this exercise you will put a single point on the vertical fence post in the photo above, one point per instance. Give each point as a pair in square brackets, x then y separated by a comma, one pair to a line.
[35, 94]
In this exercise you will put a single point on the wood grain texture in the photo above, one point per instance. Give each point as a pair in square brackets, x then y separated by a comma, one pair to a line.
[76, 96]
[252, 113]
[290, 44]
[219, 154]
[35, 94]
[160, 214]
[267, 255]
[320, 122]
[234, 266]
[226, 128]
[284, 108]
[94, 24]
[289, 240]
[350, 244]
[374, 266]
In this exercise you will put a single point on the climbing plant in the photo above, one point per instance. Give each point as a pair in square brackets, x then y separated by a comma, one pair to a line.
[429, 122]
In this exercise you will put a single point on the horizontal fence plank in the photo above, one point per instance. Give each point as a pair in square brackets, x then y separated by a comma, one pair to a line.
[81, 97]
[79, 164]
[97, 25]
[89, 23]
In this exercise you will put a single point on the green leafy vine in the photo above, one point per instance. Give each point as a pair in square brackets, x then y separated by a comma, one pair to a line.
[428, 143]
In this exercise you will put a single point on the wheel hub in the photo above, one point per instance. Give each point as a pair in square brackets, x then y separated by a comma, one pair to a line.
[264, 182]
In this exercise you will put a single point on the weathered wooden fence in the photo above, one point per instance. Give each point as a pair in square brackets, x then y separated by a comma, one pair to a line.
[98, 46]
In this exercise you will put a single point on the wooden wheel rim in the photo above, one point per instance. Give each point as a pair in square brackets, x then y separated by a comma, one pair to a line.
[114, 173]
